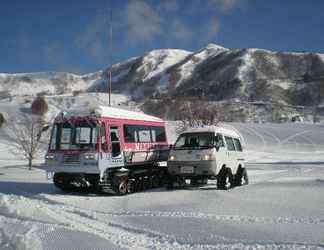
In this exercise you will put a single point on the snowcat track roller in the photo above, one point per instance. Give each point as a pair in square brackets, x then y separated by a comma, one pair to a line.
[124, 182]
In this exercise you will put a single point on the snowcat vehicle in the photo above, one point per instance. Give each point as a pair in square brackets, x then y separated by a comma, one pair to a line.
[115, 150]
[207, 153]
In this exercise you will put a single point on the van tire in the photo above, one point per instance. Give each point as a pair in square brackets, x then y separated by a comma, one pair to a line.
[241, 177]
[225, 179]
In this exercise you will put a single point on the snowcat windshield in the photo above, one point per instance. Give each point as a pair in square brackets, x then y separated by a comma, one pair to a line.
[195, 141]
[68, 136]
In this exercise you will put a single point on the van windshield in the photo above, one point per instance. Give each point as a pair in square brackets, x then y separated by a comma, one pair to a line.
[195, 141]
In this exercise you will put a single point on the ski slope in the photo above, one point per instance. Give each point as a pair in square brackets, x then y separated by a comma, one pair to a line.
[282, 208]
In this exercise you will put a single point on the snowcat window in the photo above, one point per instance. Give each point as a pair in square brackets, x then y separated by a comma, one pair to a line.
[65, 138]
[158, 134]
[137, 133]
[53, 138]
[75, 136]
[103, 134]
[115, 144]
[229, 143]
[83, 135]
[130, 133]
[144, 135]
[195, 141]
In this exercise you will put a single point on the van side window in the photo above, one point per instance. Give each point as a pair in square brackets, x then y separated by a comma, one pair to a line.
[238, 145]
[229, 143]
[219, 140]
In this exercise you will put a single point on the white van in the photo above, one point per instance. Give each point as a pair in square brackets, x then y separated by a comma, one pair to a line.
[207, 153]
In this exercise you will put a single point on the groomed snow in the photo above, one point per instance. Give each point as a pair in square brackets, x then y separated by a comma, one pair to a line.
[280, 209]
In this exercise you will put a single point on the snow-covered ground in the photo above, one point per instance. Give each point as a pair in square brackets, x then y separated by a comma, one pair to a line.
[282, 208]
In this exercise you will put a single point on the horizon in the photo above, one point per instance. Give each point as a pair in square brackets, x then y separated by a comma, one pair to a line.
[44, 36]
[105, 68]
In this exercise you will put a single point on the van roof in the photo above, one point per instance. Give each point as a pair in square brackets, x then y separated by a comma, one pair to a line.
[214, 129]
[111, 112]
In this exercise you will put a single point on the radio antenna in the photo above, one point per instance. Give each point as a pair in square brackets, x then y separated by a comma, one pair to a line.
[110, 59]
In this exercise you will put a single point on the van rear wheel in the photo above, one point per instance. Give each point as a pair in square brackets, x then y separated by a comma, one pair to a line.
[241, 177]
[225, 179]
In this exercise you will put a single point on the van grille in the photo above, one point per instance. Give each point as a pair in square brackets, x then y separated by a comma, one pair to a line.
[71, 159]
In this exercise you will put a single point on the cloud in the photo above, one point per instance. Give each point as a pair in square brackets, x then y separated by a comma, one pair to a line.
[52, 52]
[181, 32]
[170, 5]
[94, 39]
[143, 23]
[209, 31]
[226, 5]
[212, 28]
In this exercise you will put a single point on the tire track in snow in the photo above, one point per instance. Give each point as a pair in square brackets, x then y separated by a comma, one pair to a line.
[18, 234]
[230, 218]
[123, 235]
[93, 214]
[264, 143]
[78, 220]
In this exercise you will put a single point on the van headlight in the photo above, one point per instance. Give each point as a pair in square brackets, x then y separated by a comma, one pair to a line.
[207, 157]
[90, 156]
[172, 158]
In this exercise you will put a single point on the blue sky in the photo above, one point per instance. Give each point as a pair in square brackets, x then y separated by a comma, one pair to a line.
[60, 35]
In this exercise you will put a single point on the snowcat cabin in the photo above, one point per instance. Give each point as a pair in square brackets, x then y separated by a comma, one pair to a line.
[207, 153]
[110, 148]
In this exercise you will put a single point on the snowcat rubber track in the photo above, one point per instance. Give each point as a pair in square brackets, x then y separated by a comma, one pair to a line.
[125, 182]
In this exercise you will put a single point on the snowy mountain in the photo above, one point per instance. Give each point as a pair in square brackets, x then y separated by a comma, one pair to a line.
[47, 82]
[214, 73]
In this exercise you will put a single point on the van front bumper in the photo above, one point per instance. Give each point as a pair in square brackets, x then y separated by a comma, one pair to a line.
[192, 168]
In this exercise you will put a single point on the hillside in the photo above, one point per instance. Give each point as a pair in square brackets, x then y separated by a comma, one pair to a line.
[213, 73]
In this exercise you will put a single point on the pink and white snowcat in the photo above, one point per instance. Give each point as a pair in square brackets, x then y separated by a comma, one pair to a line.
[115, 150]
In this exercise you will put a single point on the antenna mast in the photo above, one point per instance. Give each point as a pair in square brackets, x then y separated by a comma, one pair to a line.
[110, 59]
